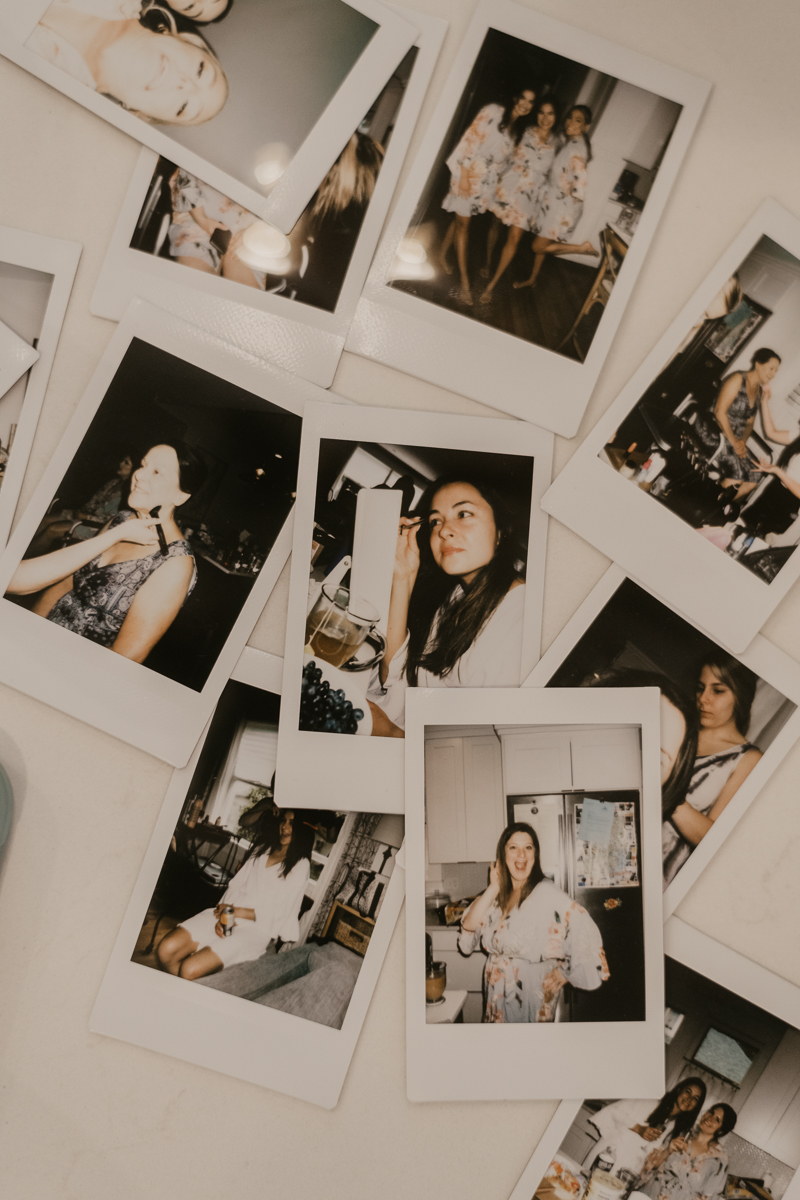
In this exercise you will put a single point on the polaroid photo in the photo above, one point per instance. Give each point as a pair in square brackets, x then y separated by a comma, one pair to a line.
[16, 357]
[140, 566]
[533, 895]
[727, 1123]
[417, 561]
[189, 249]
[727, 722]
[525, 220]
[36, 276]
[213, 84]
[254, 937]
[690, 480]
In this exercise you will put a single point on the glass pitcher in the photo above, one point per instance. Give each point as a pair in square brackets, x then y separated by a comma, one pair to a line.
[338, 625]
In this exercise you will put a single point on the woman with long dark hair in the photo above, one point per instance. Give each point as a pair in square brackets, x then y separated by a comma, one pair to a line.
[693, 1166]
[474, 167]
[740, 396]
[458, 595]
[266, 893]
[536, 937]
[725, 691]
[563, 196]
[518, 194]
[124, 587]
[634, 1128]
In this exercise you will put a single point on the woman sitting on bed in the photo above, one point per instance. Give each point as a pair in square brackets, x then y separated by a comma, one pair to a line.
[266, 893]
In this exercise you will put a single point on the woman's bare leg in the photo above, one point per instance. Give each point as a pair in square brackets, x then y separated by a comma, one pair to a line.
[509, 250]
[174, 948]
[491, 242]
[567, 248]
[445, 247]
[204, 962]
[543, 246]
[462, 241]
[234, 268]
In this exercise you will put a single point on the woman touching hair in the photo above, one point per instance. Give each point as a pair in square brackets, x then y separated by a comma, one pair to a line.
[120, 589]
[725, 692]
[458, 596]
[537, 938]
[146, 64]
[266, 893]
[651, 1125]
[693, 1166]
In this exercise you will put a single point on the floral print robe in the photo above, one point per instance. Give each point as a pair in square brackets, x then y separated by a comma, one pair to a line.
[483, 152]
[687, 1177]
[519, 189]
[548, 931]
[563, 196]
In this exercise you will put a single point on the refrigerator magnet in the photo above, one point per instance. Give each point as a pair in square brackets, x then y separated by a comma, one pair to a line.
[533, 893]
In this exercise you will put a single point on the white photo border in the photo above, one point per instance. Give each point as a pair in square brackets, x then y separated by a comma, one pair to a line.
[709, 958]
[210, 1028]
[299, 338]
[461, 354]
[286, 201]
[60, 259]
[766, 660]
[75, 675]
[617, 1058]
[364, 771]
[652, 544]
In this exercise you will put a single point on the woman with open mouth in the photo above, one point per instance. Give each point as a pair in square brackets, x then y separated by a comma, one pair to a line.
[537, 938]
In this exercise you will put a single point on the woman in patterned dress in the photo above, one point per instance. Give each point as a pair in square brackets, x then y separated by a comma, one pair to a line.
[537, 938]
[198, 211]
[693, 1167]
[120, 589]
[518, 193]
[725, 693]
[474, 168]
[562, 199]
[738, 401]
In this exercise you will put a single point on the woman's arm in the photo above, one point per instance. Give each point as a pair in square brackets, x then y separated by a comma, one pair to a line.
[782, 436]
[694, 825]
[406, 566]
[34, 574]
[155, 606]
[790, 484]
[725, 399]
[473, 917]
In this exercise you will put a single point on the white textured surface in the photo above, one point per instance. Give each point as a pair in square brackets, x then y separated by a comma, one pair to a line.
[86, 1118]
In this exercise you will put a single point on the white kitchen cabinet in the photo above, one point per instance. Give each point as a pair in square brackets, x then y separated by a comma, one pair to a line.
[606, 759]
[464, 798]
[536, 762]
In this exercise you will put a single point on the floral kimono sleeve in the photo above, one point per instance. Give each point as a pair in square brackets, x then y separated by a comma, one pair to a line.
[472, 143]
[186, 193]
[586, 965]
[469, 940]
[712, 1177]
[578, 177]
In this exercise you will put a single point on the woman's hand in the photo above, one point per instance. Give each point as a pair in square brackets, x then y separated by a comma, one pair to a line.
[678, 1145]
[650, 1134]
[406, 556]
[740, 448]
[494, 877]
[767, 468]
[552, 984]
[207, 224]
[464, 187]
[139, 530]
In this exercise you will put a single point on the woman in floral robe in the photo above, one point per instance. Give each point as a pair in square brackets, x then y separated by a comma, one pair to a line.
[474, 168]
[561, 205]
[694, 1167]
[518, 194]
[537, 937]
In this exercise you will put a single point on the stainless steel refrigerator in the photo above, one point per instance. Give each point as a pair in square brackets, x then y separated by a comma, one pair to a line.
[590, 847]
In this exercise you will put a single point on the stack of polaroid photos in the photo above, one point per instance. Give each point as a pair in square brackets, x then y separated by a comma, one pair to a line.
[545, 816]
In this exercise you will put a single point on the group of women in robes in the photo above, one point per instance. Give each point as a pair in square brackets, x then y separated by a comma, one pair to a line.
[527, 165]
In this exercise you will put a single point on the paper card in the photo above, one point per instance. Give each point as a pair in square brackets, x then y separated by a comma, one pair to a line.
[621, 635]
[288, 1020]
[731, 1030]
[163, 394]
[574, 970]
[467, 490]
[659, 487]
[36, 275]
[597, 819]
[295, 307]
[221, 95]
[473, 192]
[16, 357]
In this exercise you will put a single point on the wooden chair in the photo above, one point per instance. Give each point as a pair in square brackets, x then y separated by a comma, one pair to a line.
[612, 252]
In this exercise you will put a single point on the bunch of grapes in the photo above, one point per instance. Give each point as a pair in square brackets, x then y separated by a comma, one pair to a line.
[324, 709]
